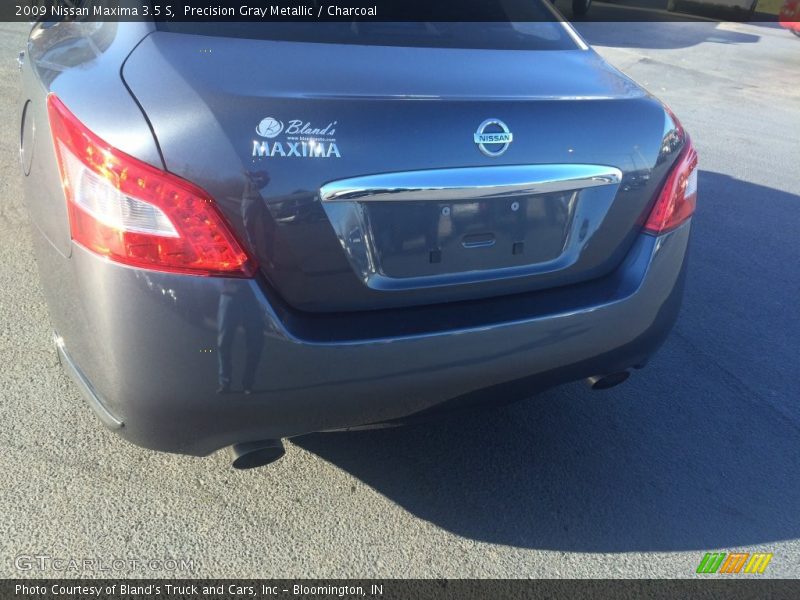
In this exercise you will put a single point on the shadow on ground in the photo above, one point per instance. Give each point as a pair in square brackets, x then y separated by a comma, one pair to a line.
[700, 450]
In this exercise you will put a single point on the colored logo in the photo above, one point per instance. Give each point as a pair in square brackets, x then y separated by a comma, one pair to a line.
[735, 562]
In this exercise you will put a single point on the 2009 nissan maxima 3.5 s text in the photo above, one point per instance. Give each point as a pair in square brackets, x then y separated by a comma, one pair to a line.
[247, 232]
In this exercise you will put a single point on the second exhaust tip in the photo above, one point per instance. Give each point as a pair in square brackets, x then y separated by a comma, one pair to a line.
[603, 382]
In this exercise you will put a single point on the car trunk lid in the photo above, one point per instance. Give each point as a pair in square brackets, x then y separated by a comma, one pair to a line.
[357, 177]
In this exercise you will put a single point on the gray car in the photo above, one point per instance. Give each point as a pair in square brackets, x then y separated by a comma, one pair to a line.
[247, 232]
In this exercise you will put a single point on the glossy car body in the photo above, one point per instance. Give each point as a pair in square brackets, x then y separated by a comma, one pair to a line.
[411, 274]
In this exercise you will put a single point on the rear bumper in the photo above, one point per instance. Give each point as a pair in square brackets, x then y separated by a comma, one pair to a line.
[149, 346]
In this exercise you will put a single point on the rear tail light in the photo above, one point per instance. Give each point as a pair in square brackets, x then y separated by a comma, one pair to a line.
[136, 214]
[678, 197]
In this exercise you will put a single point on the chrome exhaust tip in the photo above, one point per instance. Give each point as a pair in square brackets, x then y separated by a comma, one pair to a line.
[603, 382]
[250, 455]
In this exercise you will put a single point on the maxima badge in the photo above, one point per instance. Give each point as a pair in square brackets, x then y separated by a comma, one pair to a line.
[296, 138]
[493, 137]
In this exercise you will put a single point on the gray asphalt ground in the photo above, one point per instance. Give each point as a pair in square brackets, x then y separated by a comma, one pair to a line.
[699, 451]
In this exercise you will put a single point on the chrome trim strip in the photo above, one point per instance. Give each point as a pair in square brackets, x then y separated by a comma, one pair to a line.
[471, 183]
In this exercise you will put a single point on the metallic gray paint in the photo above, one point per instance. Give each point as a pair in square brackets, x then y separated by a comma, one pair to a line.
[148, 344]
[153, 349]
[85, 386]
[565, 107]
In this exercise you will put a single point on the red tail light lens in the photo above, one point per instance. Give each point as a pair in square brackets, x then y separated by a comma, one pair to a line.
[136, 214]
[678, 197]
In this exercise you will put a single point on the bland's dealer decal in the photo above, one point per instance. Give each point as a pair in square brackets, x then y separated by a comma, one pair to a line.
[299, 139]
